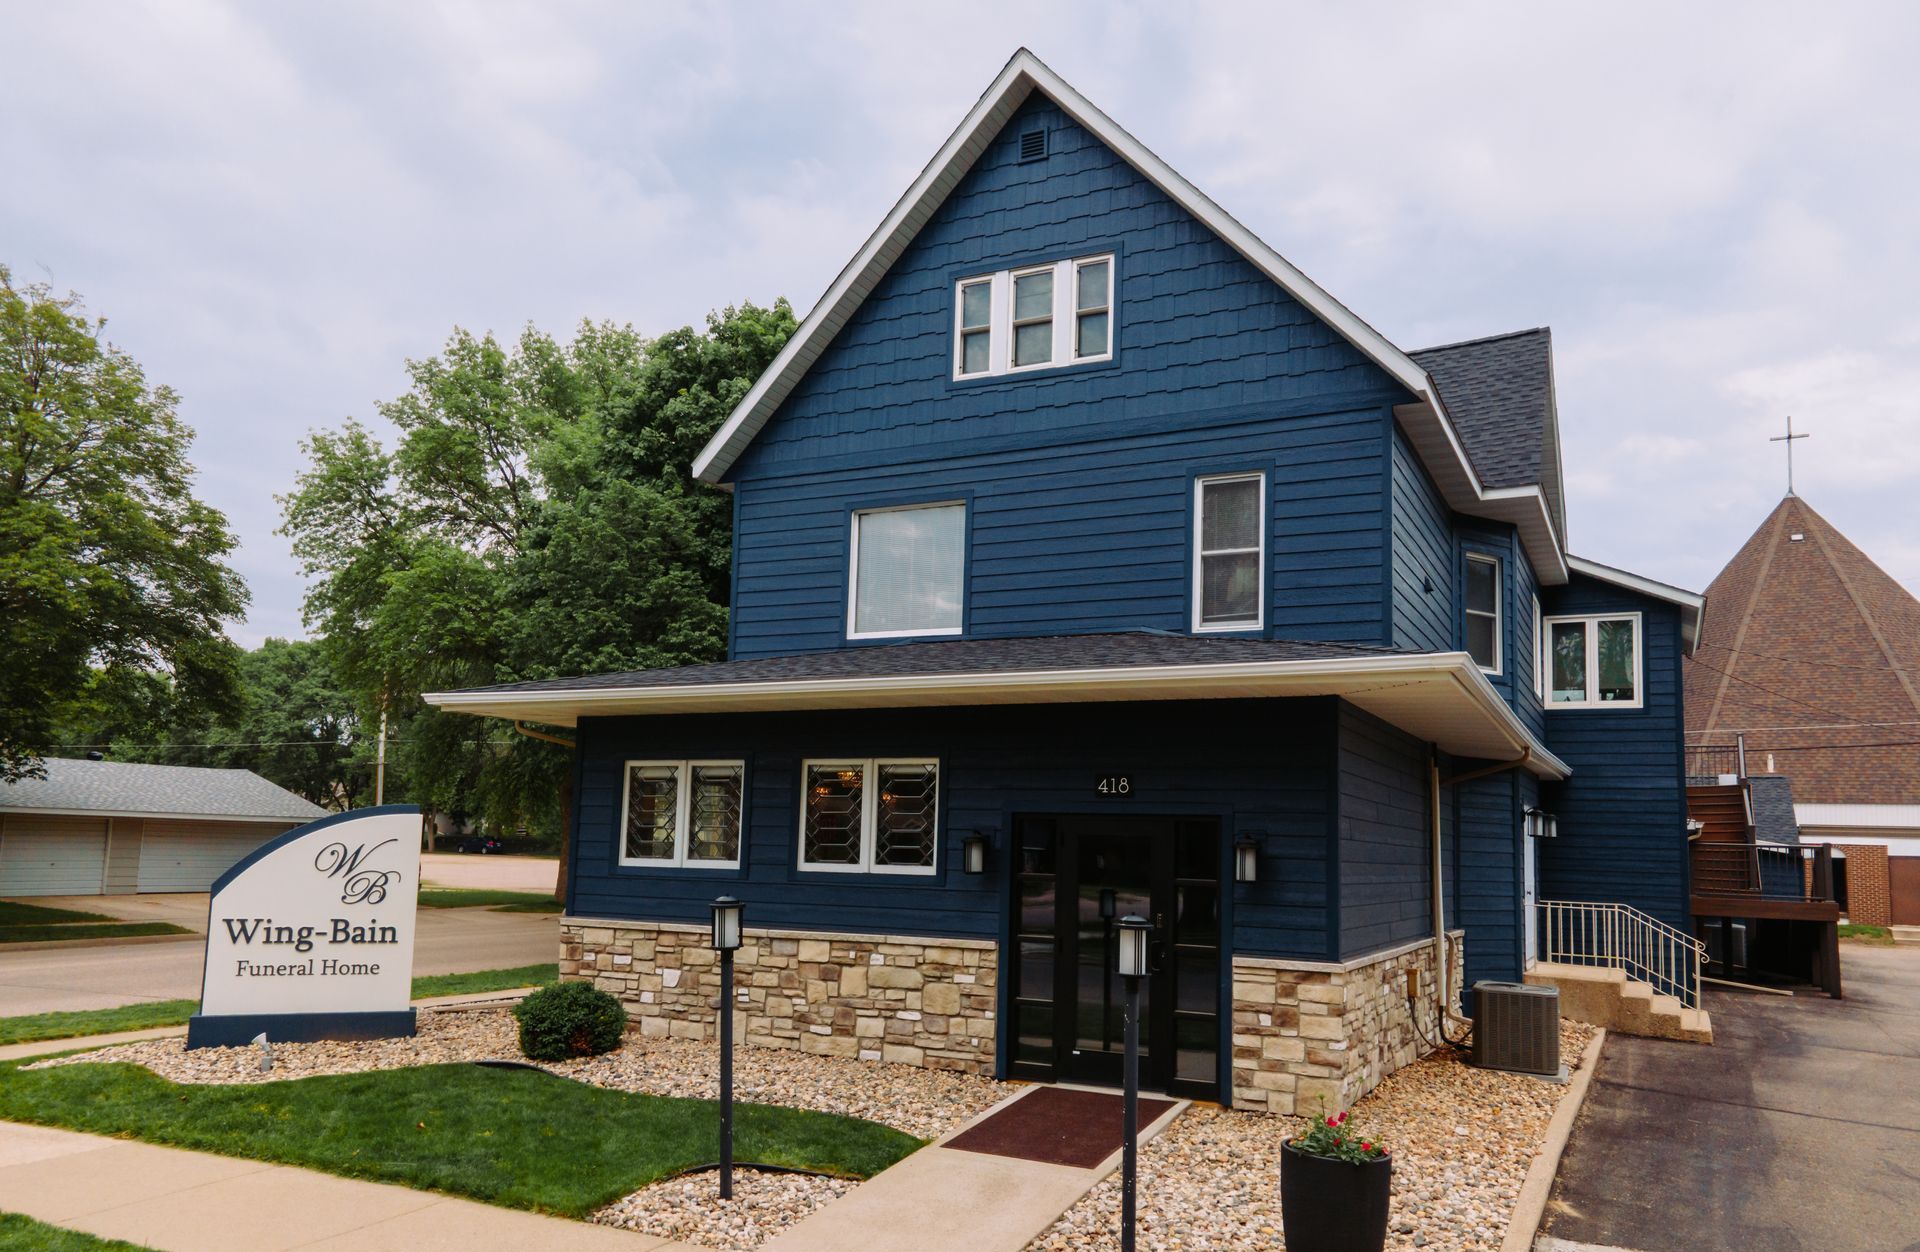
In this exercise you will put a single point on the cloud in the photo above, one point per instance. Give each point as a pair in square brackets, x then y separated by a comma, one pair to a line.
[1710, 204]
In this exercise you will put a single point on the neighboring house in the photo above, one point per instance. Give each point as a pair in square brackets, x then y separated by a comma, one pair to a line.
[107, 828]
[1090, 560]
[1812, 663]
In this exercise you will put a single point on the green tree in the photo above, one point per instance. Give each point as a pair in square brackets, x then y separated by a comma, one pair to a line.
[110, 567]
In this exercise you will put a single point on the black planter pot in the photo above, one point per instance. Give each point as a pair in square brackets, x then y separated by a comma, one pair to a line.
[1331, 1206]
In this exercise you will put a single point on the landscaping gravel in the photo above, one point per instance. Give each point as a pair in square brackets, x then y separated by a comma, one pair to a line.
[1462, 1138]
[1462, 1141]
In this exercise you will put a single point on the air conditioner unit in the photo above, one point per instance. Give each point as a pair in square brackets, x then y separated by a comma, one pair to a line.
[1516, 1027]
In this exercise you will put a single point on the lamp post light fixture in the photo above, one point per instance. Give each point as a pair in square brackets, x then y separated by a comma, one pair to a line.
[1130, 957]
[1246, 857]
[973, 853]
[726, 941]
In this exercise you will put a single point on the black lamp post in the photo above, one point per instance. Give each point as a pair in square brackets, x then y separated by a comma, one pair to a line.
[726, 941]
[1131, 956]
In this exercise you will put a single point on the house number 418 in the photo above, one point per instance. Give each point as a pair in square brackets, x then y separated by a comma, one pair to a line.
[1114, 785]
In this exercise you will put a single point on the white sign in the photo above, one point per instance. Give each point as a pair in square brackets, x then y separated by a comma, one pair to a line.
[311, 935]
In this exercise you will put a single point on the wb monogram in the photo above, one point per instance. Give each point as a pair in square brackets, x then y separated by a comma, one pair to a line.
[359, 884]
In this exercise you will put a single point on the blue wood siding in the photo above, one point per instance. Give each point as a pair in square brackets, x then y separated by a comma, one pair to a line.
[1423, 556]
[1386, 871]
[1623, 813]
[1265, 766]
[1489, 815]
[1079, 478]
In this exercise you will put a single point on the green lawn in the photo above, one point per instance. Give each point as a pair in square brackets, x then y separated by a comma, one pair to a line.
[23, 1234]
[515, 1137]
[88, 930]
[1866, 934]
[17, 913]
[35, 1027]
[499, 901]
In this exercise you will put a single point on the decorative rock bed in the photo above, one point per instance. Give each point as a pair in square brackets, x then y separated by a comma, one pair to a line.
[1462, 1138]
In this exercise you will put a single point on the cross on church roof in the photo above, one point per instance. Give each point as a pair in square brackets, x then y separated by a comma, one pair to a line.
[1788, 439]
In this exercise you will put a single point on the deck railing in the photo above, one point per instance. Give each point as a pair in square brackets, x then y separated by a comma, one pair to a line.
[1617, 936]
[1717, 760]
[1766, 871]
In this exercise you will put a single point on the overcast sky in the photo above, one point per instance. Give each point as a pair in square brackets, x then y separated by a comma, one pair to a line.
[1716, 208]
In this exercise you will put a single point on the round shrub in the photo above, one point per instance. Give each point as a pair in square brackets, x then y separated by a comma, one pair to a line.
[569, 1019]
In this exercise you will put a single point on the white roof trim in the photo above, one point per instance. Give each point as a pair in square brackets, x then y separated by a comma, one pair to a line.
[1024, 74]
[1693, 605]
[26, 810]
[1441, 697]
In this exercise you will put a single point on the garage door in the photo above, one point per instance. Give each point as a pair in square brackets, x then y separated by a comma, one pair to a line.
[52, 856]
[184, 857]
[1903, 873]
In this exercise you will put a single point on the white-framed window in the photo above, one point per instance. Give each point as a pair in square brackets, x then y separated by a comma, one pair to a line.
[1593, 662]
[682, 813]
[1482, 611]
[877, 815]
[1035, 317]
[907, 572]
[1229, 552]
[1539, 666]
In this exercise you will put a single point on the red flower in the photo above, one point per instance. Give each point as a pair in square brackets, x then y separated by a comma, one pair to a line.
[1343, 1117]
[1333, 1121]
[1365, 1146]
[1337, 1141]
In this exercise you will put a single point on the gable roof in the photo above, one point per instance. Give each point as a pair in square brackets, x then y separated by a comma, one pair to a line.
[1815, 658]
[121, 788]
[1692, 605]
[1438, 696]
[1499, 392]
[1426, 420]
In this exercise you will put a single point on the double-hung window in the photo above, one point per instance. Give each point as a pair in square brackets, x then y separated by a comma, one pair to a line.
[1482, 610]
[1539, 664]
[870, 816]
[1593, 662]
[682, 813]
[1229, 551]
[907, 576]
[1035, 317]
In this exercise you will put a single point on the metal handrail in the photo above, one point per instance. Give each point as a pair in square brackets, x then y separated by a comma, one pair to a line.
[1618, 936]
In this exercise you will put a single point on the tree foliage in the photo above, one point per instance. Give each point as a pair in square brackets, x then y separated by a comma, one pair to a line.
[113, 587]
[533, 518]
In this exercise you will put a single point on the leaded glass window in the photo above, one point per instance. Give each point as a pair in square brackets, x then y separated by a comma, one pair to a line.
[1594, 662]
[682, 813]
[878, 816]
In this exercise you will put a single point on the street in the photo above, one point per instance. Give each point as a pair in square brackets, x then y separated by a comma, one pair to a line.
[446, 941]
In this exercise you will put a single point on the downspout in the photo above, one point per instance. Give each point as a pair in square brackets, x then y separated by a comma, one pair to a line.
[1442, 981]
[543, 736]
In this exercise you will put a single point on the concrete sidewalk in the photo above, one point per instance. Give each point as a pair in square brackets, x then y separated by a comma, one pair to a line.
[183, 1201]
[944, 1199]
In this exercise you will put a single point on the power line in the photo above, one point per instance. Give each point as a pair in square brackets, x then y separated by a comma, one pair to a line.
[1795, 660]
[1824, 712]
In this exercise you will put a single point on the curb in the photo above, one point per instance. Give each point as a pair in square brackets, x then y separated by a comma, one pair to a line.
[1530, 1207]
[105, 941]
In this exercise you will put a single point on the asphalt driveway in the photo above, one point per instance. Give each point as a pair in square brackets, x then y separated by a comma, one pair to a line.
[1798, 1131]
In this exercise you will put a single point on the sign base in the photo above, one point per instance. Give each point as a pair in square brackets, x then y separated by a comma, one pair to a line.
[239, 1029]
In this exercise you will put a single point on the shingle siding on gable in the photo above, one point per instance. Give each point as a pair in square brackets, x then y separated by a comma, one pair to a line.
[1422, 554]
[1079, 480]
[1623, 813]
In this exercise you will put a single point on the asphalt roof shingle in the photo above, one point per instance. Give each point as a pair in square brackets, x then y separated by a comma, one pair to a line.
[185, 791]
[967, 656]
[1499, 392]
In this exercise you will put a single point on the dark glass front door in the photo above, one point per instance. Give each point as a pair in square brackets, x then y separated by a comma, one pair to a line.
[1075, 877]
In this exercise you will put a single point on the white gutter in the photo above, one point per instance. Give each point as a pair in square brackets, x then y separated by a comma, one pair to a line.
[1692, 605]
[24, 811]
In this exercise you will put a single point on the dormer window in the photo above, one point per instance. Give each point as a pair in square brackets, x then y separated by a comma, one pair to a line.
[1035, 317]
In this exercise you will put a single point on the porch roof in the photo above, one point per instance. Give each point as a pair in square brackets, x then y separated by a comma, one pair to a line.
[1441, 697]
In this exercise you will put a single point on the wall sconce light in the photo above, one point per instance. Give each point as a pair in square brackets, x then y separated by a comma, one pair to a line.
[1246, 857]
[1541, 824]
[973, 853]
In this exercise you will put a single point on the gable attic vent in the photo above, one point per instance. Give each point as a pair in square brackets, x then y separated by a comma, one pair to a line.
[1033, 145]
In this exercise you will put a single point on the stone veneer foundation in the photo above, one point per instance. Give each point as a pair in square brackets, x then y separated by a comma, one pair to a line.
[1311, 1034]
[926, 1002]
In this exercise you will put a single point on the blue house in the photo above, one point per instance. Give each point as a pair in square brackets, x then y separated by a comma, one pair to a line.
[1090, 560]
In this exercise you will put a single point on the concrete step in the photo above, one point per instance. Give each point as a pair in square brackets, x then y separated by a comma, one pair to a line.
[1607, 997]
[1906, 934]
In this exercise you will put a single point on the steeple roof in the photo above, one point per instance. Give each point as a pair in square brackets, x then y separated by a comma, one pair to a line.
[1813, 653]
